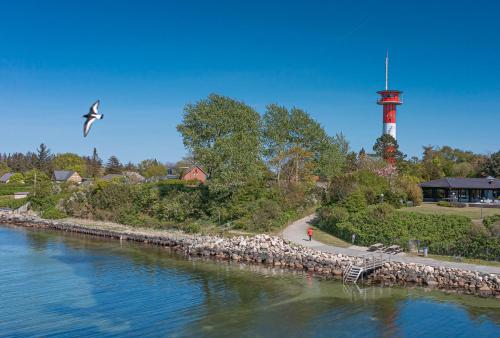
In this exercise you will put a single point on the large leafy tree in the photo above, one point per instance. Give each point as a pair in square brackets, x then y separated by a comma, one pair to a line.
[492, 165]
[296, 146]
[276, 129]
[70, 161]
[223, 136]
[152, 168]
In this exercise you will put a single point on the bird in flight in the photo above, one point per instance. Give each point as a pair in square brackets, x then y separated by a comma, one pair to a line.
[91, 117]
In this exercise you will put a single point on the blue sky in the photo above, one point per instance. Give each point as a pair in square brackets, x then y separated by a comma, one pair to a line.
[145, 60]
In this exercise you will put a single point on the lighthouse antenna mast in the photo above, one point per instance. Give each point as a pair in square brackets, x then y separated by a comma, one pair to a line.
[387, 71]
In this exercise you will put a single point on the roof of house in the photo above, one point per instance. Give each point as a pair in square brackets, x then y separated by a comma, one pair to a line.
[63, 175]
[22, 193]
[170, 177]
[195, 167]
[463, 183]
[6, 177]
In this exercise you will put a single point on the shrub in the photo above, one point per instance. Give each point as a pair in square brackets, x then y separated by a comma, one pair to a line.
[53, 213]
[9, 202]
[355, 202]
[16, 178]
[444, 204]
[444, 234]
[192, 228]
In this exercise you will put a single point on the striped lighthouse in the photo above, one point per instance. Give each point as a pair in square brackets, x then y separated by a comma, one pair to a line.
[389, 99]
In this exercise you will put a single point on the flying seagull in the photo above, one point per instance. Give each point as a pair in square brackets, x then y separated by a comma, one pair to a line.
[91, 117]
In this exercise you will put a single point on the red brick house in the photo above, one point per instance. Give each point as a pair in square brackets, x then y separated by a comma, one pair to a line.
[195, 173]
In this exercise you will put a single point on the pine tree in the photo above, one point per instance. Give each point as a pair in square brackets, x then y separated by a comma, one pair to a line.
[113, 166]
[387, 148]
[94, 164]
[43, 159]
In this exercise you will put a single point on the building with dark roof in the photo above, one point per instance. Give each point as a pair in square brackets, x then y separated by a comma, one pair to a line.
[6, 178]
[61, 176]
[462, 189]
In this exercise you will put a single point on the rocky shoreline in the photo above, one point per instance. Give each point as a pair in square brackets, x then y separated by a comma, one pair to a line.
[278, 252]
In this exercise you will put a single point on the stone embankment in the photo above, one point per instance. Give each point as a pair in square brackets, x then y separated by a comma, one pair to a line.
[275, 251]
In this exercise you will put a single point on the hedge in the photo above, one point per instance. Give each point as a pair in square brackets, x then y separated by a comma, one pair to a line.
[444, 234]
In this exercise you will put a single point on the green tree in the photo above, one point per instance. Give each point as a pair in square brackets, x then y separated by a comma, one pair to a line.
[223, 135]
[29, 177]
[296, 146]
[70, 161]
[113, 166]
[4, 168]
[492, 165]
[152, 168]
[94, 164]
[387, 148]
[43, 159]
[276, 129]
[16, 178]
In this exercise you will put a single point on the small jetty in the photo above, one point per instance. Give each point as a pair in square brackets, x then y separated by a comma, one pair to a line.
[369, 263]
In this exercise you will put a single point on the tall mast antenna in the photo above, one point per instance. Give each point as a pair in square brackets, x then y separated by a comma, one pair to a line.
[387, 71]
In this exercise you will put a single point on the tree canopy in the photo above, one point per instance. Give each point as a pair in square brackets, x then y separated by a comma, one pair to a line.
[223, 136]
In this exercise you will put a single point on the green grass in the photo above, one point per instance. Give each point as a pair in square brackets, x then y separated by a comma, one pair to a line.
[473, 213]
[325, 238]
[10, 189]
[10, 202]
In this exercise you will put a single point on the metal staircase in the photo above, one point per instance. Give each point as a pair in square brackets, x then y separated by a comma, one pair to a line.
[352, 272]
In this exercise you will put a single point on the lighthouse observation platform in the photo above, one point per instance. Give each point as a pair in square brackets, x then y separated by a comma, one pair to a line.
[390, 97]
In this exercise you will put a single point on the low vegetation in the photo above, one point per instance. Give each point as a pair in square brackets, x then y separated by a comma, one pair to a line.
[10, 202]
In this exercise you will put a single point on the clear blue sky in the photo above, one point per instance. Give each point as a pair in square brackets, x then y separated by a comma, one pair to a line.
[145, 60]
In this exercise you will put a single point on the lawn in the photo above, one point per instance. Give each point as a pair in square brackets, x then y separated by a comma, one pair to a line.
[10, 202]
[325, 238]
[9, 189]
[473, 213]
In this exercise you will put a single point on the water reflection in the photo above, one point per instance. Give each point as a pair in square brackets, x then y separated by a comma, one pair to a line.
[67, 283]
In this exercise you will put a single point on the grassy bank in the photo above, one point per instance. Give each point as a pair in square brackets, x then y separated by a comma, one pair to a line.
[473, 213]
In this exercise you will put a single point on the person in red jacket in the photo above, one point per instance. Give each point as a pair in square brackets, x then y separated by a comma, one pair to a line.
[310, 233]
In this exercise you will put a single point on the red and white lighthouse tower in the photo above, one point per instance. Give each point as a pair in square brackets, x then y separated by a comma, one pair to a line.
[389, 99]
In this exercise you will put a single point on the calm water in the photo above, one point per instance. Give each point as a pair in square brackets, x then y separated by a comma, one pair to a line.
[54, 284]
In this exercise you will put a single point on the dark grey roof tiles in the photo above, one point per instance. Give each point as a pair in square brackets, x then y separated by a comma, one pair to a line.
[462, 183]
[62, 175]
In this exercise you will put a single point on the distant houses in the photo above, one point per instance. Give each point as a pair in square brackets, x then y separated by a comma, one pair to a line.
[62, 176]
[6, 178]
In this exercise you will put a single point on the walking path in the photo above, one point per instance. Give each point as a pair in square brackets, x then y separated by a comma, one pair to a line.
[297, 233]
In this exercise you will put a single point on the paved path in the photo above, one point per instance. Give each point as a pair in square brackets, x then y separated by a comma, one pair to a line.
[297, 233]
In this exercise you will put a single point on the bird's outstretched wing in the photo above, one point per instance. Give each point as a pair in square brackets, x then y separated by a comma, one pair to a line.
[94, 108]
[87, 125]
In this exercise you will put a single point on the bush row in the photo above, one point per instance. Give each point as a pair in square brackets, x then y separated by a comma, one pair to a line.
[444, 234]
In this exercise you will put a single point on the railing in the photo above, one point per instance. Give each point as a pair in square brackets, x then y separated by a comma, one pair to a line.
[370, 262]
[346, 272]
[392, 100]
